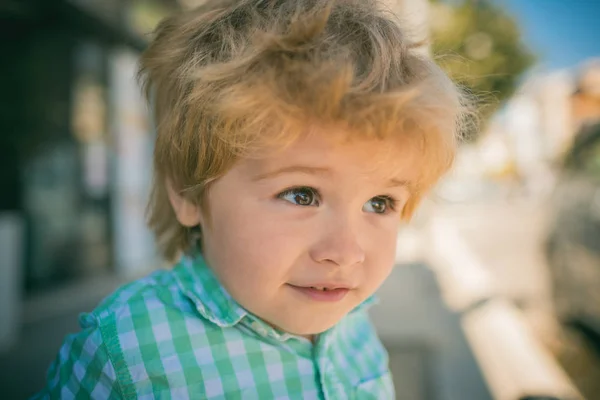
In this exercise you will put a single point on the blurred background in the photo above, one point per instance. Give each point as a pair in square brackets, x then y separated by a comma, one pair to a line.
[496, 293]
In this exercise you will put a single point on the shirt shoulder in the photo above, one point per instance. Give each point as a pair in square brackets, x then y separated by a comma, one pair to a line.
[145, 327]
[83, 368]
[151, 309]
[356, 360]
[106, 357]
[162, 344]
[159, 286]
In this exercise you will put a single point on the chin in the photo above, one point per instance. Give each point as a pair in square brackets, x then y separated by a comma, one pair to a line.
[310, 326]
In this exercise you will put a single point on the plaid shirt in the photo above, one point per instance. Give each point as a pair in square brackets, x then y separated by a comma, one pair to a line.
[179, 335]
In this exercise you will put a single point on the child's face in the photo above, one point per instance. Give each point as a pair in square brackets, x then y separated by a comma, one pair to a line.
[317, 214]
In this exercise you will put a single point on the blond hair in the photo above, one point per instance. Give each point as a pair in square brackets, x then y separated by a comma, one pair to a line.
[233, 75]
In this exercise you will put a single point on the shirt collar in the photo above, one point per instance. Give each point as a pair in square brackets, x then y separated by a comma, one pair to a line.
[199, 283]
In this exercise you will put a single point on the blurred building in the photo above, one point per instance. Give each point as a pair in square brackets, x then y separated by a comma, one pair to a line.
[75, 140]
[534, 130]
[585, 105]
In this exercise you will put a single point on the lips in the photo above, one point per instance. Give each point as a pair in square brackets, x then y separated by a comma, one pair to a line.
[322, 293]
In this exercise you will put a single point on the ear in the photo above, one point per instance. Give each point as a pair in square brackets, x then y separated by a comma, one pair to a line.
[187, 213]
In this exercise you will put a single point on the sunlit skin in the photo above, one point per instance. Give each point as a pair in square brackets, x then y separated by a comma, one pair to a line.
[322, 212]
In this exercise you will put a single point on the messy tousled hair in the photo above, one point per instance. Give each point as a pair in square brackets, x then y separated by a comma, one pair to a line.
[231, 76]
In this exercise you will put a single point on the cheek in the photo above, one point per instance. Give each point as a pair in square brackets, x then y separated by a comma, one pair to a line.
[382, 249]
[251, 243]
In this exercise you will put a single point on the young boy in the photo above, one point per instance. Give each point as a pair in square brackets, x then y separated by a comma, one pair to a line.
[293, 138]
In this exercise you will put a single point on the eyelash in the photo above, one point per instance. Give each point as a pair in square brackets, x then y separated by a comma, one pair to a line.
[390, 202]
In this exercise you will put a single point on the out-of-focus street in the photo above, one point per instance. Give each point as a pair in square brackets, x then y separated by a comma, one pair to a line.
[507, 238]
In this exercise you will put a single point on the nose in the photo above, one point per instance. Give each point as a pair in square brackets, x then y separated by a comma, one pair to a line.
[338, 244]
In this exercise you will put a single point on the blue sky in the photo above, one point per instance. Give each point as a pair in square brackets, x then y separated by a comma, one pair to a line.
[561, 32]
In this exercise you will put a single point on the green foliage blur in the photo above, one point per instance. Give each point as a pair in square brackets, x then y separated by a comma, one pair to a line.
[479, 45]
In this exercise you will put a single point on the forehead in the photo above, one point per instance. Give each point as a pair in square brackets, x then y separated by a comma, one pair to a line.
[338, 152]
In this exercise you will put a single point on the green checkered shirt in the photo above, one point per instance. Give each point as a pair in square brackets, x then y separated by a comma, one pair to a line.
[179, 335]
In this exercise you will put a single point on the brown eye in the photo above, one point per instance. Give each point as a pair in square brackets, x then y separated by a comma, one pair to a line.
[379, 205]
[301, 196]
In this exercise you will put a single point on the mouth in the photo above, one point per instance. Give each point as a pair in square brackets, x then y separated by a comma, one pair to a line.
[322, 293]
[325, 288]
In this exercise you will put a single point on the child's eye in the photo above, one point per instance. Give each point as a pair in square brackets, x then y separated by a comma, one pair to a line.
[380, 205]
[302, 196]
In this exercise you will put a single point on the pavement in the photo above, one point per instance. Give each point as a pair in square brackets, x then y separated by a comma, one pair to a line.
[507, 241]
[430, 358]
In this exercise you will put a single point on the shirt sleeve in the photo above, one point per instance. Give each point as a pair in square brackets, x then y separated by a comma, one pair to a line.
[82, 368]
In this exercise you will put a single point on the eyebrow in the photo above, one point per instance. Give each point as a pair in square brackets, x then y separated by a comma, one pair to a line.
[320, 171]
[291, 169]
[399, 183]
